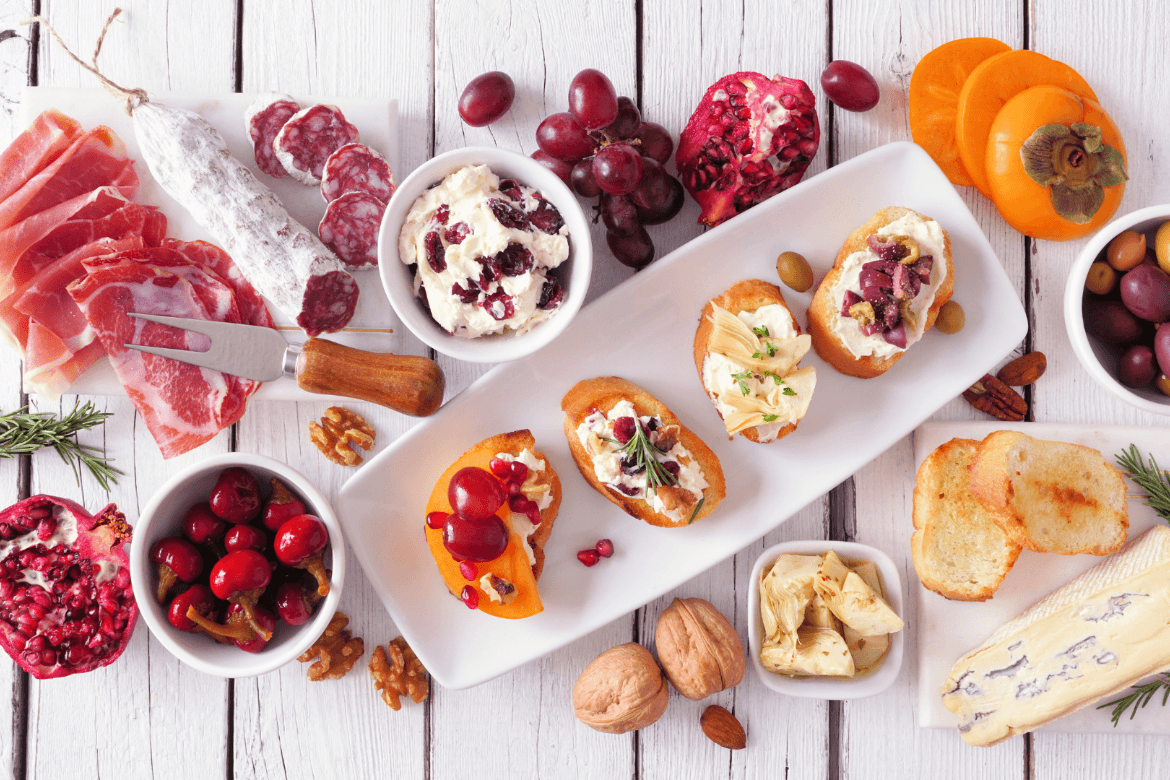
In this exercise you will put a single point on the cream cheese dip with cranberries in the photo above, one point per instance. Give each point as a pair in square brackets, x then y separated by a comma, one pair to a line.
[483, 248]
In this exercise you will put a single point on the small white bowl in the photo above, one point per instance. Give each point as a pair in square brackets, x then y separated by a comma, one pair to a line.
[1094, 354]
[397, 278]
[829, 687]
[162, 517]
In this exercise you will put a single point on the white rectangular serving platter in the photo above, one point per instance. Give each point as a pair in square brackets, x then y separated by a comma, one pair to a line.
[376, 120]
[644, 331]
[947, 630]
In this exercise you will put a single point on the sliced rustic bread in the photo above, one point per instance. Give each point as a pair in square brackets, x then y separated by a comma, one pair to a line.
[959, 550]
[1051, 496]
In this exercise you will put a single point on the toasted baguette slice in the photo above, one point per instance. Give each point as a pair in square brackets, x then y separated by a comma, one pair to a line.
[748, 295]
[1050, 496]
[959, 550]
[602, 394]
[511, 565]
[825, 307]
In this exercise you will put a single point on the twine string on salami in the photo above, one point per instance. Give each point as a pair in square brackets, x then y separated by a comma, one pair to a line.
[134, 97]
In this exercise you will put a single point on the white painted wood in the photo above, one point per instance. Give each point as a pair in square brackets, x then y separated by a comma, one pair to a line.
[130, 712]
[284, 724]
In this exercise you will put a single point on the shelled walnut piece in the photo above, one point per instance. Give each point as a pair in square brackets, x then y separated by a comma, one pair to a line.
[337, 650]
[338, 430]
[397, 672]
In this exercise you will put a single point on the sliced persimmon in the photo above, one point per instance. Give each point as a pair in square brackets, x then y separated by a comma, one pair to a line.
[990, 86]
[934, 99]
[512, 565]
[1055, 164]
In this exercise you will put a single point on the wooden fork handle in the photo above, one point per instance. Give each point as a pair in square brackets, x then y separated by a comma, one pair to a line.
[405, 383]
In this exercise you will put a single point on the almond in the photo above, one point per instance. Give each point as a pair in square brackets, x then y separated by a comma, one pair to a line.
[722, 728]
[1024, 370]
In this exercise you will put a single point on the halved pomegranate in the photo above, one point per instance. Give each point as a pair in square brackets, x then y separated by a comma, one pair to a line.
[750, 138]
[65, 600]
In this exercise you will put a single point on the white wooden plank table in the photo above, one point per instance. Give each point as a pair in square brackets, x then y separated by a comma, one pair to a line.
[150, 716]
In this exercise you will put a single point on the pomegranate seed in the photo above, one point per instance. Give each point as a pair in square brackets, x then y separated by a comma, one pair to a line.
[499, 467]
[48, 658]
[468, 570]
[533, 512]
[470, 597]
[588, 557]
[513, 488]
[519, 471]
[46, 528]
[435, 520]
[518, 504]
[604, 548]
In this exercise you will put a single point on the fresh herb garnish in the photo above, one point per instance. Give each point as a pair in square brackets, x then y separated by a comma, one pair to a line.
[1139, 696]
[741, 379]
[757, 356]
[771, 417]
[639, 450]
[698, 506]
[23, 431]
[1149, 478]
[761, 331]
[771, 348]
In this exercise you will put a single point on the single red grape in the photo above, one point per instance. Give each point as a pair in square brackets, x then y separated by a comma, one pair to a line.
[636, 250]
[564, 138]
[617, 168]
[561, 168]
[656, 142]
[468, 541]
[592, 99]
[665, 211]
[619, 215]
[850, 86]
[582, 179]
[475, 494]
[627, 122]
[653, 188]
[486, 98]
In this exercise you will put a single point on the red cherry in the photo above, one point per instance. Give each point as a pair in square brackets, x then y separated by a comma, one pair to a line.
[244, 537]
[197, 596]
[475, 494]
[281, 506]
[470, 597]
[201, 526]
[481, 541]
[236, 496]
[604, 548]
[291, 604]
[588, 557]
[177, 559]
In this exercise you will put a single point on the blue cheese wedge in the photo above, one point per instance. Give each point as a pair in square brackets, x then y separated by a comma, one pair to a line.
[1097, 635]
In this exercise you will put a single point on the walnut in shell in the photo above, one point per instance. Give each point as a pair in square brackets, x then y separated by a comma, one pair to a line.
[620, 690]
[698, 648]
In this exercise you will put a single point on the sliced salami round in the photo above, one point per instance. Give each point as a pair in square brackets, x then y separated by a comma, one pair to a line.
[308, 138]
[350, 228]
[263, 120]
[356, 168]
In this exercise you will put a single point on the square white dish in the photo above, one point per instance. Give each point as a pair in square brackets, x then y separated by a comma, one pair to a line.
[644, 331]
[834, 688]
[376, 120]
[947, 630]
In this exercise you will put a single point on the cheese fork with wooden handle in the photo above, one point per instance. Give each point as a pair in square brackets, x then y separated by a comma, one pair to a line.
[405, 383]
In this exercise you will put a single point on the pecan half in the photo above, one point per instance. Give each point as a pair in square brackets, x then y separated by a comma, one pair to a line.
[1024, 370]
[992, 396]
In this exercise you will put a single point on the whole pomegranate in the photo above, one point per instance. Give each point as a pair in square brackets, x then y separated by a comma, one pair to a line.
[750, 138]
[65, 600]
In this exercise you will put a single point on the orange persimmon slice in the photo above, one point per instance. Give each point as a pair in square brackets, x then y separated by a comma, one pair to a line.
[934, 99]
[513, 564]
[1070, 142]
[991, 85]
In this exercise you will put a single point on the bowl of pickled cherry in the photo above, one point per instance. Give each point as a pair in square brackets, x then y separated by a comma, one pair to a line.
[237, 564]
[1116, 303]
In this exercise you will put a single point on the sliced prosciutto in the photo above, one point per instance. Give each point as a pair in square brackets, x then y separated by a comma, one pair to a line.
[46, 138]
[182, 405]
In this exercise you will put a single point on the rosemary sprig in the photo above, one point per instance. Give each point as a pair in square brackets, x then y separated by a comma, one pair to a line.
[1149, 478]
[640, 451]
[23, 431]
[1138, 697]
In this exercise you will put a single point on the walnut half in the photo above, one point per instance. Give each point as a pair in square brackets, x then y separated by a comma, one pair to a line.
[397, 672]
[338, 430]
[336, 651]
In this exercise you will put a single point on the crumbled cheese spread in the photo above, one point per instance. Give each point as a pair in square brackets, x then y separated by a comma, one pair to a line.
[534, 489]
[929, 236]
[466, 194]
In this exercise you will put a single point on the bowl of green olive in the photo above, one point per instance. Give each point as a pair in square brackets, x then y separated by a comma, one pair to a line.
[1116, 301]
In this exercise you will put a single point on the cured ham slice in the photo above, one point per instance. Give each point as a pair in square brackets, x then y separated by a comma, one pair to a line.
[46, 138]
[182, 405]
[252, 308]
[95, 159]
[53, 365]
[127, 221]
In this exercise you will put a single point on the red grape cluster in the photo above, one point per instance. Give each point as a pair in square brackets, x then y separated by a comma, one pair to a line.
[601, 148]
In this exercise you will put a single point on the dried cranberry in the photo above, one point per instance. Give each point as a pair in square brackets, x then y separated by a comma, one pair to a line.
[509, 217]
[623, 429]
[422, 298]
[515, 260]
[546, 218]
[457, 232]
[511, 189]
[629, 490]
[630, 467]
[491, 270]
[467, 295]
[653, 424]
[442, 214]
[436, 257]
[551, 294]
[499, 305]
[672, 467]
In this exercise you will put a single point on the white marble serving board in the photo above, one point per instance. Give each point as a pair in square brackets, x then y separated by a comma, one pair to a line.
[376, 120]
[947, 630]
